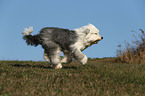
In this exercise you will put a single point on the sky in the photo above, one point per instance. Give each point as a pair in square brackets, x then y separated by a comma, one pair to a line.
[114, 18]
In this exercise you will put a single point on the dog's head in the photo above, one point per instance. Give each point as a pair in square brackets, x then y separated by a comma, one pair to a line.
[88, 35]
[92, 34]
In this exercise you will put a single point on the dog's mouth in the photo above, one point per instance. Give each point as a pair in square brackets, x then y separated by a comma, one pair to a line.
[95, 42]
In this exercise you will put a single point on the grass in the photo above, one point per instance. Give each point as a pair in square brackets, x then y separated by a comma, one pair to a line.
[99, 77]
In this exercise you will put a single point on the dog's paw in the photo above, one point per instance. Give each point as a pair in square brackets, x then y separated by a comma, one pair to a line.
[84, 60]
[58, 66]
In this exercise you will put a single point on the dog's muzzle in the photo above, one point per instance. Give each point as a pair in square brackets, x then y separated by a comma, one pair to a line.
[95, 42]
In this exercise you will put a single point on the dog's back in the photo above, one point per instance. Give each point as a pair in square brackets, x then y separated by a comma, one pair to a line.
[59, 36]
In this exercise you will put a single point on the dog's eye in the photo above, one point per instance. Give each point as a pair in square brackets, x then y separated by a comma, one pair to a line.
[96, 33]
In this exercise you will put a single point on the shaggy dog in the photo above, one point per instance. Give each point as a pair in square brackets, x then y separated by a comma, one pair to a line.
[71, 42]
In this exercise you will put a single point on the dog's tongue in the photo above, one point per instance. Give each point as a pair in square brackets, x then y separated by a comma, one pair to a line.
[95, 42]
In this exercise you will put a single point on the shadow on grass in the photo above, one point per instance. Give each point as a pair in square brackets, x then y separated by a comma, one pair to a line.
[69, 67]
[32, 66]
[41, 66]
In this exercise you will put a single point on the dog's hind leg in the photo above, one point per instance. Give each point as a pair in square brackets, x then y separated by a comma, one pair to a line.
[54, 57]
[67, 58]
[45, 56]
[82, 58]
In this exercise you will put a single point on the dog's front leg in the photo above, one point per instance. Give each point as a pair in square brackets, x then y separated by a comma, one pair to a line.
[82, 58]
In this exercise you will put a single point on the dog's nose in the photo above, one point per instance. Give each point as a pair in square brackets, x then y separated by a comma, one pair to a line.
[101, 37]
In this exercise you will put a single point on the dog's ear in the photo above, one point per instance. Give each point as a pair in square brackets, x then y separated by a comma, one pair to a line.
[87, 31]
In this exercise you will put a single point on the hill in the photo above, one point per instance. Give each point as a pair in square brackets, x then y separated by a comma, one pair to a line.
[99, 77]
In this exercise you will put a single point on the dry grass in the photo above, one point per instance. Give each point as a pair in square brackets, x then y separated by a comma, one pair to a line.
[135, 52]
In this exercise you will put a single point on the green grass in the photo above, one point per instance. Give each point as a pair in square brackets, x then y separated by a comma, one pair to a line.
[99, 77]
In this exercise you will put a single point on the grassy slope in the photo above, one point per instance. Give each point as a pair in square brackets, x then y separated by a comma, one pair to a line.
[98, 77]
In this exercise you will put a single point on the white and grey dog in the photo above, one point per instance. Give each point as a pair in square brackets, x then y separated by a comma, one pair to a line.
[71, 42]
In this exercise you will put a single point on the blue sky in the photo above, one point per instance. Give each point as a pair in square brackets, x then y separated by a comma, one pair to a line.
[114, 18]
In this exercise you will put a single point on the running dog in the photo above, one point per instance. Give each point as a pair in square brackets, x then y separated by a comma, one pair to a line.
[71, 42]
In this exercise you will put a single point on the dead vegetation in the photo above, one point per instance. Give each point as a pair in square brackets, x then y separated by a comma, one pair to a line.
[135, 52]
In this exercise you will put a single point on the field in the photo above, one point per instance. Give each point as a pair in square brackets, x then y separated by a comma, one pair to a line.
[99, 77]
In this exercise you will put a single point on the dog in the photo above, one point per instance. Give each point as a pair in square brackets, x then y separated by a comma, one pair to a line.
[71, 42]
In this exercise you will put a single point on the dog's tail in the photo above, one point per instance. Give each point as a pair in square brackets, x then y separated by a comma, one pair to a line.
[31, 40]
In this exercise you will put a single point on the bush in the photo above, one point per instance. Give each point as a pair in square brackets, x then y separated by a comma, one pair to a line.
[134, 53]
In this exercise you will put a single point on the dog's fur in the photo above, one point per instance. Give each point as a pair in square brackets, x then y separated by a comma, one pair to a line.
[71, 42]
